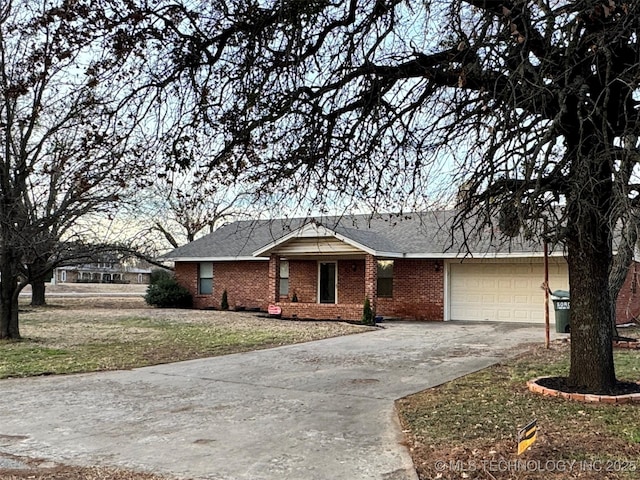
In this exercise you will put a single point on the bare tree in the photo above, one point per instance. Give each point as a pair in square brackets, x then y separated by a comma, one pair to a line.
[533, 105]
[181, 207]
[68, 139]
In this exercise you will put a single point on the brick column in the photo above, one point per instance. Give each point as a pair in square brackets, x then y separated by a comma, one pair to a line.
[274, 278]
[371, 280]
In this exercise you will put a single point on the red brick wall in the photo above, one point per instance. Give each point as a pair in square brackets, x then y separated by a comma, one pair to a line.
[303, 279]
[351, 282]
[187, 275]
[246, 283]
[418, 291]
[370, 281]
[628, 304]
[418, 288]
[322, 311]
[273, 287]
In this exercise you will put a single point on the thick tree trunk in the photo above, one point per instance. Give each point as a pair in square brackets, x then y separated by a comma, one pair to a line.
[590, 252]
[9, 290]
[591, 333]
[38, 288]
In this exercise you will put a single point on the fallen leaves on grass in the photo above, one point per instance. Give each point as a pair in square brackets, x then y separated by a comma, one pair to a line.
[76, 473]
[467, 428]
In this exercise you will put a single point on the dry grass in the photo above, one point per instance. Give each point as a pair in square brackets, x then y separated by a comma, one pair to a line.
[79, 321]
[467, 429]
[76, 473]
[82, 334]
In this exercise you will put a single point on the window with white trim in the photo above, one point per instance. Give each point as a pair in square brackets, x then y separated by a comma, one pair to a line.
[205, 278]
[385, 278]
[284, 278]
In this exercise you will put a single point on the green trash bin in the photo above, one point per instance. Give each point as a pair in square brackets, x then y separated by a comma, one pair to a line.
[562, 306]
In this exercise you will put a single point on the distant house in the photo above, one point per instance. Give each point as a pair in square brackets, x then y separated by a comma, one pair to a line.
[106, 269]
[410, 267]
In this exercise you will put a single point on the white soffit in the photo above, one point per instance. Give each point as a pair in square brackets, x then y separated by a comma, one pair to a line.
[313, 239]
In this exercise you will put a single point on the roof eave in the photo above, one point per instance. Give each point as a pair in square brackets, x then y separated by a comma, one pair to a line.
[379, 254]
[437, 255]
[216, 259]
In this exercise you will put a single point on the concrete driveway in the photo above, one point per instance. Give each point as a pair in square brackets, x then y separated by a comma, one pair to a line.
[319, 410]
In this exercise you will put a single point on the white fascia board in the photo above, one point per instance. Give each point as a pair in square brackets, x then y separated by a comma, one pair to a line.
[216, 259]
[311, 230]
[393, 255]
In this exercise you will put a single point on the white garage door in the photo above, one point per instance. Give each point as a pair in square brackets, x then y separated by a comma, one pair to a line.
[499, 291]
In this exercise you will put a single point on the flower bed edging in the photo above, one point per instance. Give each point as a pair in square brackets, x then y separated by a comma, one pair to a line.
[630, 345]
[580, 397]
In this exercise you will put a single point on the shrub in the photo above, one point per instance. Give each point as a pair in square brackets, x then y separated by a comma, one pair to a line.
[368, 317]
[224, 303]
[159, 275]
[167, 293]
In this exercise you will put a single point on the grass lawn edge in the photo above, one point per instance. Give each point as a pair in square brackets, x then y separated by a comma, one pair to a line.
[468, 428]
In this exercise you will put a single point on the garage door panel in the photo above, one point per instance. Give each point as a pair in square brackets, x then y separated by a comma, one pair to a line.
[488, 313]
[522, 315]
[471, 282]
[488, 283]
[510, 292]
[521, 283]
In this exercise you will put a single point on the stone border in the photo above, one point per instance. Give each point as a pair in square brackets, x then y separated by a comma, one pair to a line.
[582, 397]
[634, 345]
[631, 345]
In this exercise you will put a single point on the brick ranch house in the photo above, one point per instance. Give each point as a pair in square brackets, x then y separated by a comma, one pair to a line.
[410, 267]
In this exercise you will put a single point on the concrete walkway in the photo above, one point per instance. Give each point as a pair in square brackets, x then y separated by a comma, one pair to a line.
[319, 410]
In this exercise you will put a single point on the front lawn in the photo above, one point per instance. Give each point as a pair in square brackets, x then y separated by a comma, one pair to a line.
[467, 429]
[72, 338]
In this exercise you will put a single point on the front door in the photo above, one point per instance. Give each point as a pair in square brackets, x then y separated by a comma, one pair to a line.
[327, 282]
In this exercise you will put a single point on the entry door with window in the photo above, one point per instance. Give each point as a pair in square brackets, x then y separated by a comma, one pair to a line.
[327, 282]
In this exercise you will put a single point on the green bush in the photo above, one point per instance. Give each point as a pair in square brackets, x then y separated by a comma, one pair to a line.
[368, 317]
[167, 293]
[224, 304]
[159, 275]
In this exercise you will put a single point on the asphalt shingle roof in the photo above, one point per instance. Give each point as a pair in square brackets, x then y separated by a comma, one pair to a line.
[427, 233]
